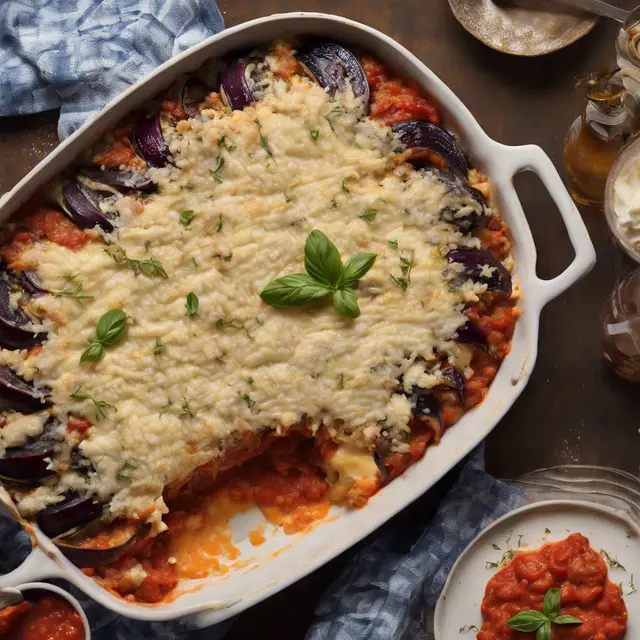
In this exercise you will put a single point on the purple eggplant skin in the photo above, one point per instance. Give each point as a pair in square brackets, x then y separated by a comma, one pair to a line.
[424, 135]
[28, 462]
[128, 180]
[75, 510]
[12, 319]
[234, 86]
[384, 474]
[18, 395]
[469, 333]
[148, 141]
[426, 404]
[81, 556]
[473, 260]
[29, 282]
[457, 381]
[82, 209]
[332, 65]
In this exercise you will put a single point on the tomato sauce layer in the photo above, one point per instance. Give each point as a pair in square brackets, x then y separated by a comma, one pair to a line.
[49, 618]
[581, 575]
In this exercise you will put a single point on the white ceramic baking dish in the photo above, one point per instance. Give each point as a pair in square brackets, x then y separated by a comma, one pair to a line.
[266, 572]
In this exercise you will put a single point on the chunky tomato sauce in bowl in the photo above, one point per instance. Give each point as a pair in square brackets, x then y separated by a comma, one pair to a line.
[46, 613]
[581, 575]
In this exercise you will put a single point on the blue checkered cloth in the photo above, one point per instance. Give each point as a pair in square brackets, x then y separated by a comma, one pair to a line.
[77, 55]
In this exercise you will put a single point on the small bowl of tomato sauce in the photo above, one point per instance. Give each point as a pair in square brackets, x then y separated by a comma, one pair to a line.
[46, 613]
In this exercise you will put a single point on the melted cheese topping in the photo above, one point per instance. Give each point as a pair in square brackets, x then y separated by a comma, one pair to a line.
[238, 364]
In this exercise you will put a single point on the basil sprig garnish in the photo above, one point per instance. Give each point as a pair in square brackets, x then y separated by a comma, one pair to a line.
[326, 276]
[541, 622]
[109, 329]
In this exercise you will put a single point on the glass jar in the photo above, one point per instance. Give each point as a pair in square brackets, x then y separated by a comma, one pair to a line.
[620, 328]
[597, 136]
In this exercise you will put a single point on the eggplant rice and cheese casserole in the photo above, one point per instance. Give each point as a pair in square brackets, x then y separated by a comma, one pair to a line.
[285, 283]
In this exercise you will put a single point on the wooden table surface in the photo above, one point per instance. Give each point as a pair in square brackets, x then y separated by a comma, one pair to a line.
[573, 410]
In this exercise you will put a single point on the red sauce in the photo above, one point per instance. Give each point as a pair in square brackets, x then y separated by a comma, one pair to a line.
[49, 618]
[570, 565]
[80, 425]
[393, 99]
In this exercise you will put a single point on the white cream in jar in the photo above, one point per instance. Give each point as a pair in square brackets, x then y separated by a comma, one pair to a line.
[626, 203]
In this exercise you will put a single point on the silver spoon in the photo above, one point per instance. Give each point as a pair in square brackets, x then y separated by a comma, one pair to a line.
[9, 597]
[599, 8]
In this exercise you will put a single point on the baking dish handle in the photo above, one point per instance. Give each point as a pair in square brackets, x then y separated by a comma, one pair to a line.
[533, 158]
[37, 566]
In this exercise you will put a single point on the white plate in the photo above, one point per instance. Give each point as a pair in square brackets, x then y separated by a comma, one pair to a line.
[608, 529]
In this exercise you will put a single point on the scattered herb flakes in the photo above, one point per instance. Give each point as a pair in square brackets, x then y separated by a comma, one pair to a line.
[150, 267]
[356, 146]
[611, 560]
[334, 111]
[147, 244]
[75, 293]
[369, 215]
[192, 305]
[401, 282]
[264, 143]
[547, 531]
[496, 547]
[221, 323]
[468, 628]
[393, 243]
[216, 172]
[220, 223]
[343, 187]
[491, 565]
[228, 258]
[287, 199]
[195, 264]
[259, 319]
[101, 406]
[250, 403]
[231, 148]
[632, 587]
[221, 141]
[334, 204]
[314, 134]
[382, 200]
[189, 185]
[186, 217]
[341, 381]
[131, 463]
[186, 409]
[158, 348]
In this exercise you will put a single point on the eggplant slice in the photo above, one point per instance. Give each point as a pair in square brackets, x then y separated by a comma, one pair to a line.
[13, 335]
[477, 263]
[18, 395]
[81, 206]
[234, 84]
[148, 141]
[331, 65]
[74, 511]
[422, 135]
[118, 179]
[28, 462]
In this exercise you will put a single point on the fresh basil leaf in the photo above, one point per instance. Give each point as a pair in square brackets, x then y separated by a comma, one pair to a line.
[544, 632]
[192, 305]
[346, 303]
[322, 259]
[111, 326]
[93, 353]
[293, 290]
[551, 603]
[356, 267]
[527, 621]
[566, 620]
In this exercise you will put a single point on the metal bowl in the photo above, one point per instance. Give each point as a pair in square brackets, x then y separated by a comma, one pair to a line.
[522, 27]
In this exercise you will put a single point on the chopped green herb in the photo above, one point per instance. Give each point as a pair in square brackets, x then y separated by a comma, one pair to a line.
[491, 565]
[496, 547]
[369, 215]
[344, 187]
[632, 587]
[468, 628]
[192, 305]
[335, 111]
[611, 560]
[287, 199]
[76, 294]
[231, 148]
[216, 172]
[220, 223]
[401, 282]
[108, 331]
[315, 133]
[334, 204]
[264, 143]
[147, 244]
[131, 463]
[150, 267]
[356, 145]
[341, 381]
[393, 243]
[250, 403]
[186, 217]
[382, 200]
[100, 405]
[221, 323]
[186, 409]
[221, 141]
[195, 264]
[189, 185]
[547, 531]
[228, 258]
[158, 348]
[259, 319]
